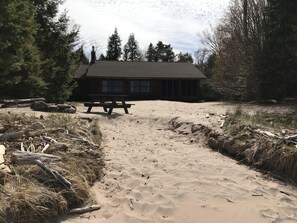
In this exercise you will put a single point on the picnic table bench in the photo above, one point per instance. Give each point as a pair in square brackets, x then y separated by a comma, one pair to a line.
[108, 102]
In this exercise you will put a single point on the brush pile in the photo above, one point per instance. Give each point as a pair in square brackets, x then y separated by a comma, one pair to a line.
[47, 165]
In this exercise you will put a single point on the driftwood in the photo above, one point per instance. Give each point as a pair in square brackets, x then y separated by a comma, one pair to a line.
[20, 157]
[45, 148]
[50, 139]
[20, 102]
[3, 168]
[54, 174]
[22, 147]
[85, 209]
[57, 147]
[81, 140]
[293, 137]
[36, 129]
[48, 107]
[2, 153]
[288, 139]
[12, 136]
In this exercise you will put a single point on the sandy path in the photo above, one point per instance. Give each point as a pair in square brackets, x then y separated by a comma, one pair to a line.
[155, 175]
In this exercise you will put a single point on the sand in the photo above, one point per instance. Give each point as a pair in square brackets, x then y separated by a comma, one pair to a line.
[156, 175]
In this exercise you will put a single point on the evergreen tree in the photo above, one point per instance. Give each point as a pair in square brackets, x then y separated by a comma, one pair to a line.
[56, 41]
[185, 57]
[126, 53]
[102, 57]
[131, 49]
[163, 52]
[150, 54]
[159, 49]
[19, 57]
[114, 50]
[277, 64]
[81, 56]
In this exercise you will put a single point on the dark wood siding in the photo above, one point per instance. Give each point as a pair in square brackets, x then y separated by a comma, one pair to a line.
[169, 89]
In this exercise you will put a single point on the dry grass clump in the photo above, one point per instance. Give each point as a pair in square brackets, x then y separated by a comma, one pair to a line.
[28, 193]
[272, 121]
[25, 200]
[263, 140]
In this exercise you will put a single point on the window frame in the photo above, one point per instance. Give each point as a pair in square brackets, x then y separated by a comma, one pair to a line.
[140, 87]
[114, 86]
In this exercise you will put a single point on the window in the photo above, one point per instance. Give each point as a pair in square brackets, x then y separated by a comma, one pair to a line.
[140, 87]
[112, 86]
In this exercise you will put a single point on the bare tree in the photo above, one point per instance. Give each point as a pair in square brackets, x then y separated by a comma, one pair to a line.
[236, 42]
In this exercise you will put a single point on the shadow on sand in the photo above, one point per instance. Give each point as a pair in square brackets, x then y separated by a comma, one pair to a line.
[104, 114]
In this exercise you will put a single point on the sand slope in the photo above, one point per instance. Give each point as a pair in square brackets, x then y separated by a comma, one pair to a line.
[156, 175]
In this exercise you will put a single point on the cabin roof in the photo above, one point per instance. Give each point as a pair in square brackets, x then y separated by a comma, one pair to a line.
[121, 69]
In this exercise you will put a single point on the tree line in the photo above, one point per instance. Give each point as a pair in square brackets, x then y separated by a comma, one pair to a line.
[251, 53]
[159, 53]
[36, 50]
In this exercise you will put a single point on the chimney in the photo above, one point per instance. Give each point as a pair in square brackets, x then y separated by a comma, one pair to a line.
[93, 55]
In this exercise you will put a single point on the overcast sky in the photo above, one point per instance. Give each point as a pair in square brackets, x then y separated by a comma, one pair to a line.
[178, 22]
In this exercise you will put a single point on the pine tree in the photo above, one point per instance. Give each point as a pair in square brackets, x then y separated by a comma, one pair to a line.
[131, 49]
[114, 50]
[169, 54]
[277, 62]
[19, 56]
[56, 42]
[126, 53]
[81, 56]
[102, 57]
[185, 57]
[150, 54]
[163, 52]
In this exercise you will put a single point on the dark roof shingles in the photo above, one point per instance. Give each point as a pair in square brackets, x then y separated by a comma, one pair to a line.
[116, 69]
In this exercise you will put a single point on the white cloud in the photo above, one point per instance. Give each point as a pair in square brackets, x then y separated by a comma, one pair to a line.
[172, 21]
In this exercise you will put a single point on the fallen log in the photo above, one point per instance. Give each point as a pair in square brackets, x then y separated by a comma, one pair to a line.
[22, 101]
[54, 174]
[13, 103]
[85, 209]
[48, 107]
[21, 158]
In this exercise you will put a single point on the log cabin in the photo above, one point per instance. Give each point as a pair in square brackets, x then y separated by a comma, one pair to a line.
[140, 80]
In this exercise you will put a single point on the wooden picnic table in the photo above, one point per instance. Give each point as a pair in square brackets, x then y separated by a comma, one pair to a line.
[108, 102]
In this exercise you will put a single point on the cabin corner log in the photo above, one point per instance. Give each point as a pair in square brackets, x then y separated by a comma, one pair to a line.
[21, 158]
